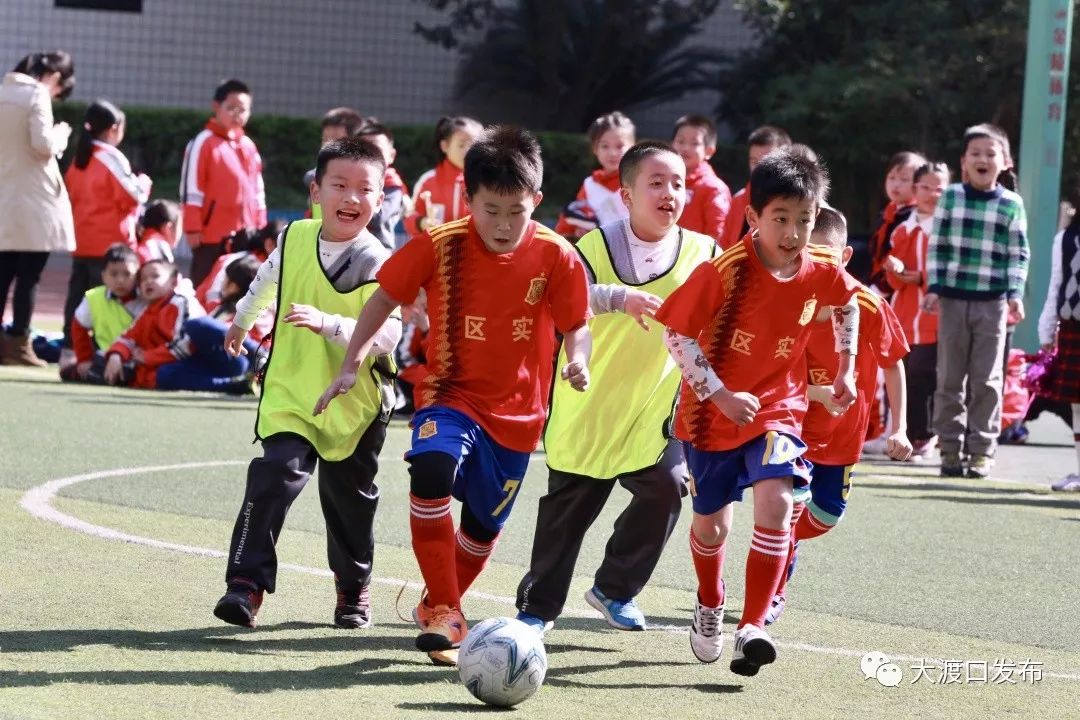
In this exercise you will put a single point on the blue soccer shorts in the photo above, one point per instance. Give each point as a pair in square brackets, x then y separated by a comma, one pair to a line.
[720, 476]
[489, 475]
[829, 488]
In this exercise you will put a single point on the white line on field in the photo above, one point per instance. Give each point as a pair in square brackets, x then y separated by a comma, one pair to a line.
[38, 502]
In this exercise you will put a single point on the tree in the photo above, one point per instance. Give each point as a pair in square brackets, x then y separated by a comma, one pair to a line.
[860, 81]
[558, 64]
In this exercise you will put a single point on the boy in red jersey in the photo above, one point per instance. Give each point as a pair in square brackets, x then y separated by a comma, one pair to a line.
[738, 329]
[834, 438]
[762, 142]
[708, 199]
[499, 286]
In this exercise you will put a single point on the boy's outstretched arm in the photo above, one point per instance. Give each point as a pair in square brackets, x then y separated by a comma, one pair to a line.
[897, 445]
[578, 343]
[376, 310]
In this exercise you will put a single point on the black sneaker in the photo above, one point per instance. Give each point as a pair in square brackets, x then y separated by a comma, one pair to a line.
[951, 465]
[240, 605]
[353, 610]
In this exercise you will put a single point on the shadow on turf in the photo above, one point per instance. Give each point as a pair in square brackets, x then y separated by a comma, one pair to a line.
[965, 487]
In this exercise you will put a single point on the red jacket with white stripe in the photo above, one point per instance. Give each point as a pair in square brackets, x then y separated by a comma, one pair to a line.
[105, 197]
[708, 202]
[221, 184]
[733, 227]
[446, 184]
[159, 333]
[909, 242]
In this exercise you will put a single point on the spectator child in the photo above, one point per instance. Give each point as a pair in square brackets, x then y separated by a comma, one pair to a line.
[905, 270]
[599, 201]
[395, 193]
[900, 191]
[105, 197]
[1059, 326]
[439, 195]
[762, 141]
[104, 314]
[976, 270]
[157, 231]
[221, 182]
[708, 199]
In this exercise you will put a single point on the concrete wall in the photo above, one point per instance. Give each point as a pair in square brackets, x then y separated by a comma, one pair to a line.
[300, 57]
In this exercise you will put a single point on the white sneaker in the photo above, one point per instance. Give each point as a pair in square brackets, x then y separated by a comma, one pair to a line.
[753, 648]
[1070, 482]
[707, 632]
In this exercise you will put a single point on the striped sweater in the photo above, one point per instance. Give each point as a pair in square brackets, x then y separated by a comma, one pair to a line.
[978, 245]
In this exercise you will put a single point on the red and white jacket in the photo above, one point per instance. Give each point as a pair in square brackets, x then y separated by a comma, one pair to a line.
[153, 246]
[601, 192]
[105, 197]
[159, 333]
[708, 202]
[221, 184]
[910, 241]
[733, 226]
[446, 185]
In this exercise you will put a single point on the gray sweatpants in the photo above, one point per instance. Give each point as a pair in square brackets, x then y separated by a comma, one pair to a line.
[570, 507]
[971, 341]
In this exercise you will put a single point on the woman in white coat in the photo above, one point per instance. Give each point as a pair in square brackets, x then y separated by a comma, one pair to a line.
[35, 213]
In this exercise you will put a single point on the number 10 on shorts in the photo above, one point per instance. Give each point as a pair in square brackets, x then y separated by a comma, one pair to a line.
[510, 488]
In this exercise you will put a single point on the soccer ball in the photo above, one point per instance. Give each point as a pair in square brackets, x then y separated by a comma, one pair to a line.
[502, 661]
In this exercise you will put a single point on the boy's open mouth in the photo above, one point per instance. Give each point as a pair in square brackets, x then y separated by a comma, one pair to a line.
[348, 215]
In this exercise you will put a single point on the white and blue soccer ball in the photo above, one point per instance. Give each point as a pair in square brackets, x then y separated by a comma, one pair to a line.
[502, 661]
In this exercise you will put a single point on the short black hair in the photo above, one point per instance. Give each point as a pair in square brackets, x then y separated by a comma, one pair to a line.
[932, 167]
[702, 123]
[174, 272]
[786, 174]
[242, 272]
[769, 135]
[159, 213]
[228, 87]
[37, 65]
[371, 127]
[506, 159]
[120, 253]
[631, 161]
[831, 226]
[343, 117]
[904, 158]
[349, 148]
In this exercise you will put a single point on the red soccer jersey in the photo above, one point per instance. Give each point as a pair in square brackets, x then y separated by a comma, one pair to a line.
[493, 322]
[839, 440]
[910, 241]
[752, 328]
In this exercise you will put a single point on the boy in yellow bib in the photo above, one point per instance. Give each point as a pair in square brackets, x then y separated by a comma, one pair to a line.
[321, 274]
[618, 431]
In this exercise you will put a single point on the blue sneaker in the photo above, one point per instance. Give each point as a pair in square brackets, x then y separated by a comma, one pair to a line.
[620, 614]
[538, 624]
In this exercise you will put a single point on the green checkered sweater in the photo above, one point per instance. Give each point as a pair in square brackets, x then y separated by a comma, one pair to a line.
[978, 247]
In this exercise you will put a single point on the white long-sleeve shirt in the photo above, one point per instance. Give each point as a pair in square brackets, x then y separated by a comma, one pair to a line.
[335, 328]
[1048, 318]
